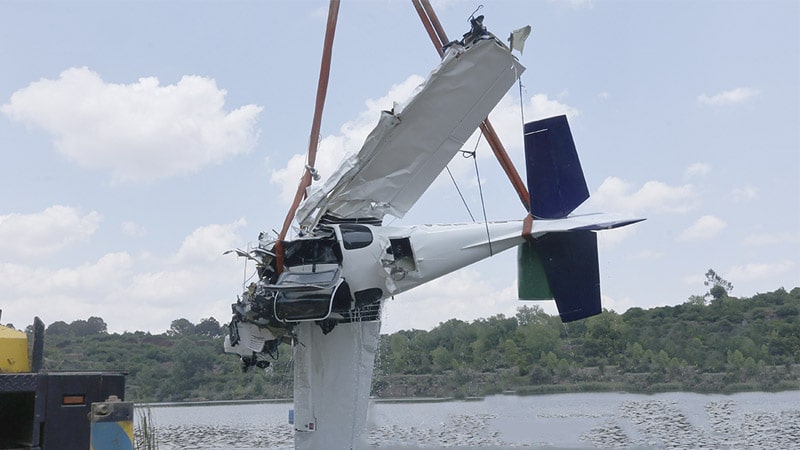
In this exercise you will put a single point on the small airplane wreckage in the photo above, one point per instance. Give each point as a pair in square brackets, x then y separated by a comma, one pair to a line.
[322, 291]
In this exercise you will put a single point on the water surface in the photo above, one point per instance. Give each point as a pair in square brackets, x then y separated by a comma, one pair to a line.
[753, 420]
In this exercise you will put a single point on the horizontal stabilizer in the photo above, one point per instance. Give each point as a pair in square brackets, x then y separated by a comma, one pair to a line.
[567, 267]
[609, 225]
[555, 178]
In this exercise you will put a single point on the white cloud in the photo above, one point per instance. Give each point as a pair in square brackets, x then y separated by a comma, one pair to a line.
[698, 169]
[753, 271]
[107, 271]
[209, 242]
[703, 228]
[540, 106]
[617, 195]
[618, 305]
[694, 280]
[320, 13]
[133, 229]
[85, 283]
[173, 284]
[138, 131]
[462, 295]
[730, 97]
[609, 239]
[333, 148]
[144, 293]
[579, 4]
[196, 275]
[46, 232]
[744, 193]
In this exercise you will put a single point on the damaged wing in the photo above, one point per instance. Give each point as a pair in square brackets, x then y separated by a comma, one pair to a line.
[408, 148]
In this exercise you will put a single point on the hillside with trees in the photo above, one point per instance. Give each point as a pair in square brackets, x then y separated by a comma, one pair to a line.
[710, 343]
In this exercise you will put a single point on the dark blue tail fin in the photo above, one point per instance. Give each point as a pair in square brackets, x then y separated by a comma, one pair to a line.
[555, 178]
[562, 266]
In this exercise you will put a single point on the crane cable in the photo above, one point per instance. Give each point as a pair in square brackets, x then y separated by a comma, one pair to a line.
[463, 200]
[474, 155]
[313, 141]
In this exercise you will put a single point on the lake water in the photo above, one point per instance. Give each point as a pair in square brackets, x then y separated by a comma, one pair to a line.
[753, 420]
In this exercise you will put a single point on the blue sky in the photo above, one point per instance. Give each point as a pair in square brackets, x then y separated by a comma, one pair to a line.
[141, 139]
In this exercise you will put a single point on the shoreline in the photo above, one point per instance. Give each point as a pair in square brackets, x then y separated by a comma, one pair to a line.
[547, 390]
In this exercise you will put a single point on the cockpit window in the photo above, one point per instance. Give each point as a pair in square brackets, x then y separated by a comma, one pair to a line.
[304, 252]
[355, 236]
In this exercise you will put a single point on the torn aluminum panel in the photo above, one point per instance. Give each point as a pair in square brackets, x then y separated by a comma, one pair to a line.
[409, 148]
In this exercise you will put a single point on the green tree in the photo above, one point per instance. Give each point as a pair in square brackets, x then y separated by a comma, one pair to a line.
[549, 361]
[208, 327]
[698, 300]
[531, 315]
[718, 286]
[442, 359]
[661, 360]
[533, 340]
[399, 360]
[603, 338]
[511, 352]
[181, 327]
[636, 356]
[58, 328]
[96, 325]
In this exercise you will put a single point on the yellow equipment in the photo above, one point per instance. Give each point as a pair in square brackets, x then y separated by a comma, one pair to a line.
[13, 351]
[41, 410]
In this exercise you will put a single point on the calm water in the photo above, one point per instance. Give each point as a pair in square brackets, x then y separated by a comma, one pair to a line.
[754, 420]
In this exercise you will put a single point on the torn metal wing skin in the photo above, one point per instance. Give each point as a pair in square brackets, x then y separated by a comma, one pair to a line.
[410, 147]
